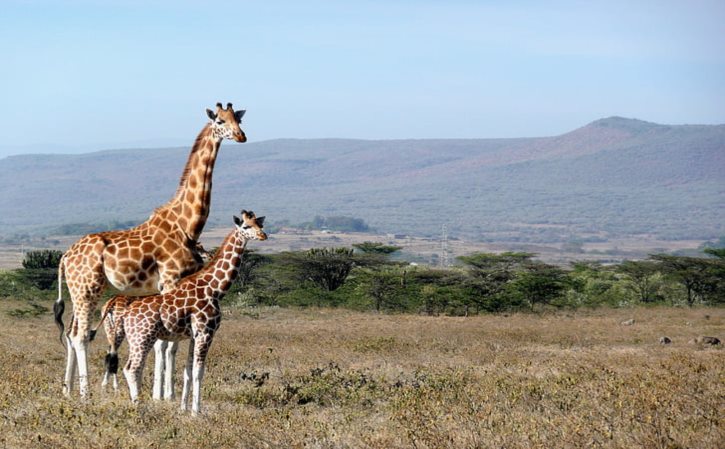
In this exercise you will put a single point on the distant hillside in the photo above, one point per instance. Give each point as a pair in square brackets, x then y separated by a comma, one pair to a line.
[615, 176]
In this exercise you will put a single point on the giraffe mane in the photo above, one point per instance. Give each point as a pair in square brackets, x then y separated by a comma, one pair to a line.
[198, 144]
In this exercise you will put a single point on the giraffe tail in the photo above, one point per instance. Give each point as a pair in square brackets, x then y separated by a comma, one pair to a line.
[107, 308]
[111, 360]
[59, 305]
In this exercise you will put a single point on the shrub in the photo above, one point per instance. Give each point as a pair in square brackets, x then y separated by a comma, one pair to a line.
[40, 268]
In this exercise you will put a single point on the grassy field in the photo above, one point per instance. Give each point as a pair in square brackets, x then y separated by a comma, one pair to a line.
[344, 379]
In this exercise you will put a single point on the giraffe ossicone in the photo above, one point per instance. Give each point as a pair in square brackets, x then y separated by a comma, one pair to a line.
[190, 310]
[148, 258]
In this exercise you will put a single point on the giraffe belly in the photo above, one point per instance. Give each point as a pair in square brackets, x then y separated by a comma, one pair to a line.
[133, 286]
[175, 329]
[174, 336]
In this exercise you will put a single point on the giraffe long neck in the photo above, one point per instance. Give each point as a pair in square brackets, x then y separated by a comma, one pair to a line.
[192, 200]
[224, 266]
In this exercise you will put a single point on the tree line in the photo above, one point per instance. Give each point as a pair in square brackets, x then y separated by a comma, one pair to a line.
[364, 277]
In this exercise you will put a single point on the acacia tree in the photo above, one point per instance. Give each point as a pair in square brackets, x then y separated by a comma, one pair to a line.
[539, 283]
[327, 268]
[701, 278]
[383, 285]
[592, 283]
[438, 289]
[718, 253]
[641, 276]
[376, 248]
[488, 276]
[716, 272]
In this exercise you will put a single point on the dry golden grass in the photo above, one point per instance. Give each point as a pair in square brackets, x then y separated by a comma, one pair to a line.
[344, 379]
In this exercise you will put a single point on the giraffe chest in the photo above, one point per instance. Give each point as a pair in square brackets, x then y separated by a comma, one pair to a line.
[185, 316]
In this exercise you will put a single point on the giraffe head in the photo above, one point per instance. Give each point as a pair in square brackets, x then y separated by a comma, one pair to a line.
[250, 226]
[225, 123]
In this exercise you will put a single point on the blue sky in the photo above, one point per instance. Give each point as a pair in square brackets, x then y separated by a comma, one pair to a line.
[87, 75]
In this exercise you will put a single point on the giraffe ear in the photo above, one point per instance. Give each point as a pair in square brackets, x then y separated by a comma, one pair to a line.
[260, 221]
[211, 114]
[239, 114]
[237, 221]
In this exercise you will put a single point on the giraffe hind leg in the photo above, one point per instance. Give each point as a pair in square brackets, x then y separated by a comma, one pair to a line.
[70, 368]
[84, 276]
[79, 337]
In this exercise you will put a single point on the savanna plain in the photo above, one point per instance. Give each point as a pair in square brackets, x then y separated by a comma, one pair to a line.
[336, 378]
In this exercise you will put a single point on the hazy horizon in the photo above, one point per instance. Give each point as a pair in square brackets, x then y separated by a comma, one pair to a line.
[89, 75]
[40, 149]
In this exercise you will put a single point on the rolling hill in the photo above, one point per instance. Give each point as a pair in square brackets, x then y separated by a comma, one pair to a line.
[614, 176]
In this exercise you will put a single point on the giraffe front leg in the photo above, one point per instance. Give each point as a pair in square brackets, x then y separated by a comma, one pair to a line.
[201, 348]
[187, 377]
[159, 368]
[170, 363]
[70, 367]
[198, 374]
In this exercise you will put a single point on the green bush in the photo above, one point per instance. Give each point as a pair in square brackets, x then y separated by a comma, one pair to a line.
[40, 267]
[41, 259]
[15, 284]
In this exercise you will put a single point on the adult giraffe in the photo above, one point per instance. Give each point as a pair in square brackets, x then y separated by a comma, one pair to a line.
[149, 258]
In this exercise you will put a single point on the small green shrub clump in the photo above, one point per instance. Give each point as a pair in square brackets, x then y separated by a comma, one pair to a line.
[40, 267]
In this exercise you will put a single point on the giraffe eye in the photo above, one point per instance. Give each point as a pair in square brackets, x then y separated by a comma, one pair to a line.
[220, 122]
[246, 226]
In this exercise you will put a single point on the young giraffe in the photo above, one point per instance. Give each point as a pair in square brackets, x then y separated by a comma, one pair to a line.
[149, 258]
[115, 309]
[189, 310]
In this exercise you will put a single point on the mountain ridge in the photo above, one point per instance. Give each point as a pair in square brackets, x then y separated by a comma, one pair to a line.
[668, 180]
